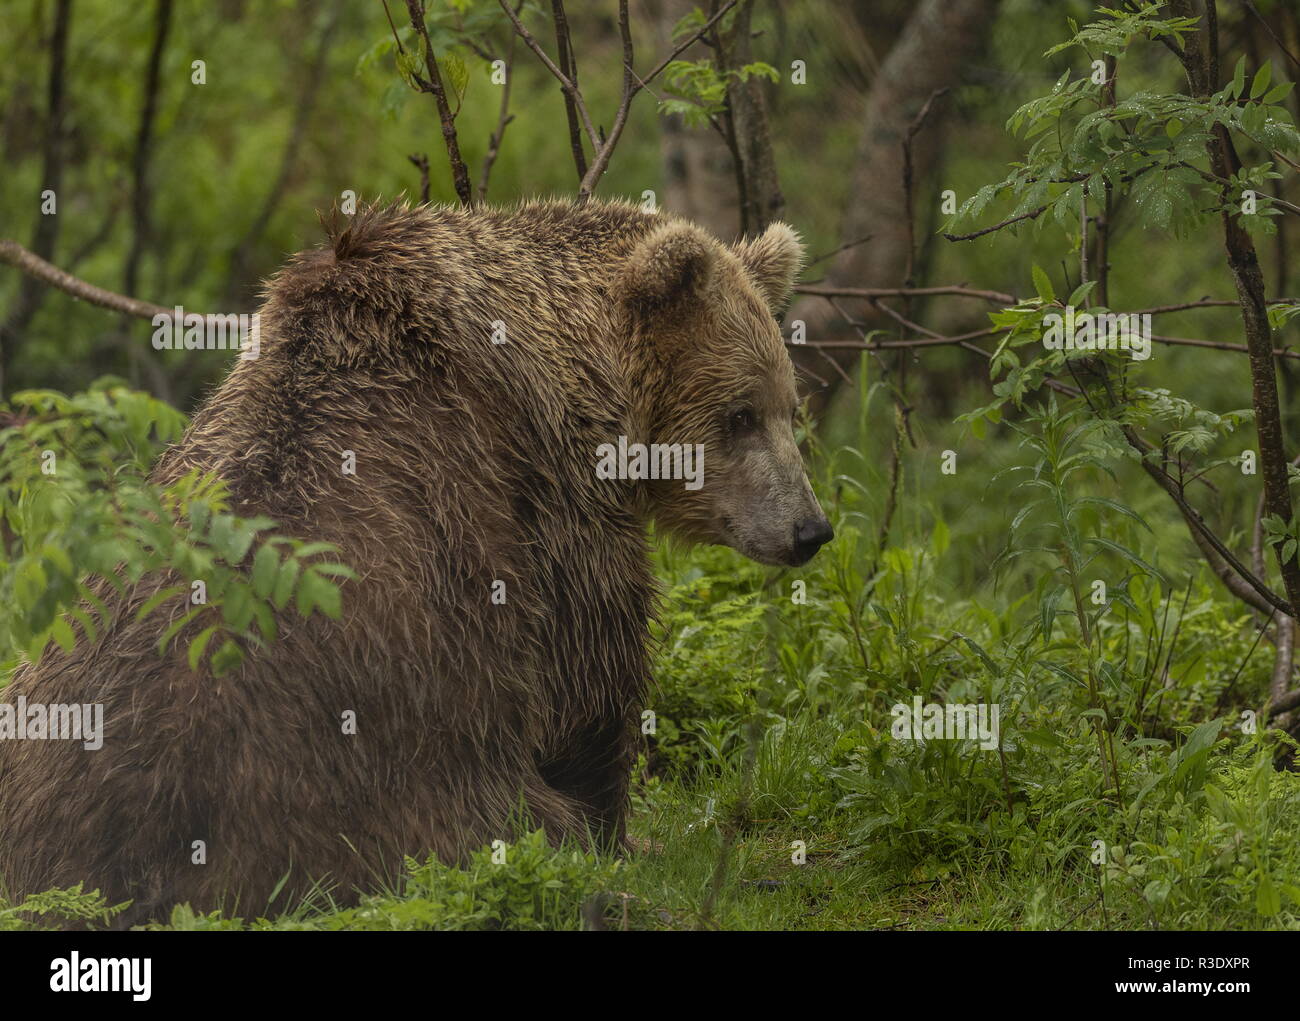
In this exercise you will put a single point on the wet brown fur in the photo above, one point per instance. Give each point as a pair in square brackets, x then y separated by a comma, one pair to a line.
[474, 463]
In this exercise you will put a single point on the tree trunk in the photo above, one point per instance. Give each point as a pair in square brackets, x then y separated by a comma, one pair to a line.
[699, 180]
[941, 39]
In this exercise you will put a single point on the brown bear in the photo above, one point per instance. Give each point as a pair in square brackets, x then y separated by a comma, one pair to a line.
[480, 366]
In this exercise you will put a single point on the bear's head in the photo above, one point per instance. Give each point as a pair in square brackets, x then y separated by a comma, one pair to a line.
[711, 372]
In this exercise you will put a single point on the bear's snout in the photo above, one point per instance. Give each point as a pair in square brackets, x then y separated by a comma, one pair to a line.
[810, 535]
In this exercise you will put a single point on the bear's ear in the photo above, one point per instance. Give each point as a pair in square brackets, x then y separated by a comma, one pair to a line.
[671, 265]
[773, 260]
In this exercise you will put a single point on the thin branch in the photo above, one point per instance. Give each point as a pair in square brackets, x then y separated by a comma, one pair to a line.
[603, 146]
[1207, 303]
[997, 226]
[570, 89]
[14, 254]
[420, 161]
[908, 135]
[1035, 213]
[433, 85]
[569, 65]
[503, 118]
[1108, 199]
[960, 340]
[868, 293]
[494, 147]
[689, 42]
[1272, 35]
[836, 251]
[1223, 182]
[1204, 537]
[1219, 345]
[600, 159]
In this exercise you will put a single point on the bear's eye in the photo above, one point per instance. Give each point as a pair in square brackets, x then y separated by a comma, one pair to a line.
[740, 421]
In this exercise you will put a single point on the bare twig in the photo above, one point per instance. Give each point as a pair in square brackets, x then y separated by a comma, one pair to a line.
[569, 65]
[570, 89]
[1269, 29]
[997, 226]
[1207, 303]
[603, 145]
[420, 161]
[141, 220]
[917, 122]
[631, 85]
[33, 265]
[1219, 345]
[433, 85]
[1107, 205]
[868, 293]
[836, 251]
[494, 146]
[960, 340]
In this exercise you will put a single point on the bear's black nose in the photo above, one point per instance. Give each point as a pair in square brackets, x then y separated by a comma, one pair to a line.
[810, 535]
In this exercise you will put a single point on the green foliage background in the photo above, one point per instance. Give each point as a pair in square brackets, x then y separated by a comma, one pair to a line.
[773, 715]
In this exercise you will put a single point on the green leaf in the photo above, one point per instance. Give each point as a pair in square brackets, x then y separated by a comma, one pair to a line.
[316, 592]
[63, 634]
[1081, 292]
[393, 99]
[457, 74]
[1268, 901]
[87, 624]
[1127, 554]
[1262, 78]
[1157, 891]
[226, 658]
[285, 582]
[1048, 611]
[199, 644]
[157, 599]
[265, 621]
[979, 651]
[1043, 284]
[335, 570]
[266, 568]
[1042, 739]
[939, 538]
[237, 605]
[234, 545]
[1191, 757]
[1279, 92]
[1118, 508]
